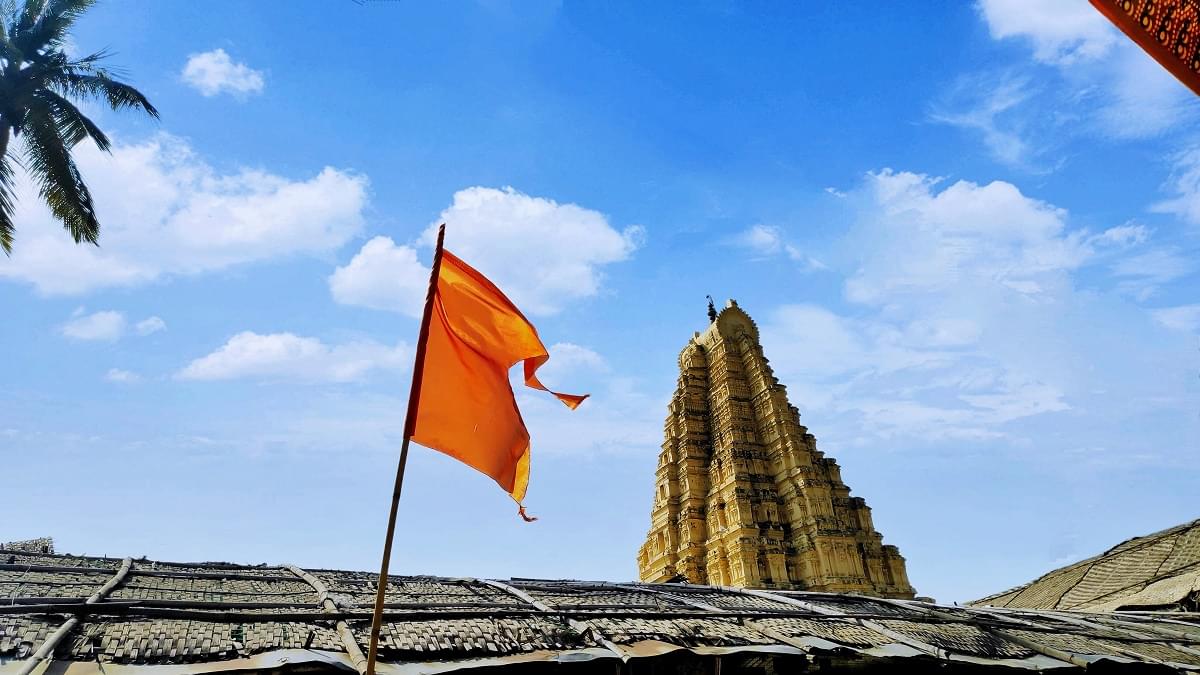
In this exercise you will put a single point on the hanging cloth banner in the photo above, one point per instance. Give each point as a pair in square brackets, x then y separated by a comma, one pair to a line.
[466, 407]
[1168, 30]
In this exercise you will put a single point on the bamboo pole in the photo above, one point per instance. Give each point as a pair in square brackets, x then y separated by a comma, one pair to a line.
[410, 422]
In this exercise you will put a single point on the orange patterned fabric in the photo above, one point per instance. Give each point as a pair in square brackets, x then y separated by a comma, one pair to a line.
[466, 407]
[1168, 30]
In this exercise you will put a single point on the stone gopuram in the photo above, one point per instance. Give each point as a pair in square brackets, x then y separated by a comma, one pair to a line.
[742, 495]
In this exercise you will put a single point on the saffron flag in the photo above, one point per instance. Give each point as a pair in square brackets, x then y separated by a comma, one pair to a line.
[466, 407]
[1168, 30]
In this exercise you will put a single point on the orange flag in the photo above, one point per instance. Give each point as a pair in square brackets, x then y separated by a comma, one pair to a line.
[465, 405]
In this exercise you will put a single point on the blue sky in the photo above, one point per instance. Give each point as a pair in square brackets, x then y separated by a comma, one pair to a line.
[968, 233]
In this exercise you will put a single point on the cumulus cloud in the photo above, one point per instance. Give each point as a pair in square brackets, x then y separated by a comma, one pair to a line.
[214, 72]
[382, 275]
[965, 322]
[150, 325]
[991, 232]
[286, 356]
[1060, 31]
[542, 253]
[166, 212]
[769, 241]
[108, 326]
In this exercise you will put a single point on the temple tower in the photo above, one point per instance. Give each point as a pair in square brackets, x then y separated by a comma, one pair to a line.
[742, 495]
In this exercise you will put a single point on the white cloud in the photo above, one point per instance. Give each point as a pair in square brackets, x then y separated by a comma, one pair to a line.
[966, 325]
[1061, 31]
[166, 212]
[286, 356]
[122, 376]
[1185, 318]
[764, 239]
[991, 233]
[568, 360]
[924, 377]
[150, 325]
[1093, 82]
[1184, 187]
[382, 276]
[769, 240]
[543, 254]
[1138, 98]
[619, 418]
[107, 325]
[1123, 235]
[989, 110]
[214, 72]
[1143, 273]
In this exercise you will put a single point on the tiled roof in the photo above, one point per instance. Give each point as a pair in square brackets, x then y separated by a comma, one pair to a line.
[1157, 571]
[42, 545]
[112, 616]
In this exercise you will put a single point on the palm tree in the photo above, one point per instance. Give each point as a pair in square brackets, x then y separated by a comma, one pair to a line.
[37, 82]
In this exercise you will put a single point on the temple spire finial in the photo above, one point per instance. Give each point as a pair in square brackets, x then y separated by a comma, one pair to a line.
[712, 309]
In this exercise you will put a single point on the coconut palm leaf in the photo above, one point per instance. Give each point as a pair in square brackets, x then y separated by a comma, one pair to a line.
[48, 160]
[39, 87]
[100, 85]
[72, 124]
[6, 204]
[48, 28]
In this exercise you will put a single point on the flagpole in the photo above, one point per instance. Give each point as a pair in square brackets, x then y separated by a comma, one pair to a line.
[410, 422]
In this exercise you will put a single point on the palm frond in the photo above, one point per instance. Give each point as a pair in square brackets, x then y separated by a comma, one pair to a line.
[60, 184]
[99, 85]
[29, 15]
[8, 51]
[88, 63]
[49, 28]
[39, 87]
[72, 124]
[7, 202]
[5, 13]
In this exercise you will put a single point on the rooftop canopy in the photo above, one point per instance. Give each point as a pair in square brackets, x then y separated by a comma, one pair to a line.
[79, 614]
[1159, 571]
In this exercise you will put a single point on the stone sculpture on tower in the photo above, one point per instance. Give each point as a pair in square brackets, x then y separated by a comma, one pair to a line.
[742, 495]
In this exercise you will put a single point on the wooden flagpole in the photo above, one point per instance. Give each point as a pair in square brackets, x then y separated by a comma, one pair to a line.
[410, 423]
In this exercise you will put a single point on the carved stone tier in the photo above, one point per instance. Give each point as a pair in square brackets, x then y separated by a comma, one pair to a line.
[742, 495]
